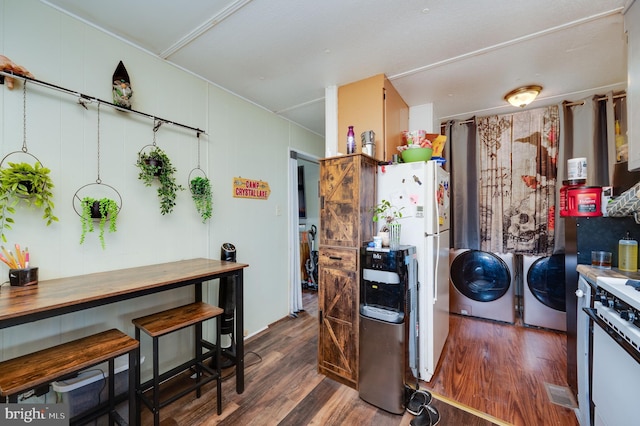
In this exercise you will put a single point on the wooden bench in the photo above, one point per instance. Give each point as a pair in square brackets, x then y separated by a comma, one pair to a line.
[21, 374]
[165, 322]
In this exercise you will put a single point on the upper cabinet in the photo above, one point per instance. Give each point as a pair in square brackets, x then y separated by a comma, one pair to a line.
[372, 104]
[632, 27]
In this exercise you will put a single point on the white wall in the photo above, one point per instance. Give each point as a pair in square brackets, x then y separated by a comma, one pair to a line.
[421, 118]
[243, 140]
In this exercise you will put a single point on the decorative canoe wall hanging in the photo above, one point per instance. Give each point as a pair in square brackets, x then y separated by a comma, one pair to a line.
[122, 92]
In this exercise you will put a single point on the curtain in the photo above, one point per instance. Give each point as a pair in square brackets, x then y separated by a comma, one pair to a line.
[518, 169]
[462, 160]
[587, 125]
[295, 280]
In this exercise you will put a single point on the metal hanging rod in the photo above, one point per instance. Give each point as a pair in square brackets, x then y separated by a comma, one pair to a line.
[82, 96]
[600, 99]
[603, 98]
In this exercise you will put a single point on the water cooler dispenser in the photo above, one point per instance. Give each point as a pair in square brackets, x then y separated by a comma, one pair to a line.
[388, 341]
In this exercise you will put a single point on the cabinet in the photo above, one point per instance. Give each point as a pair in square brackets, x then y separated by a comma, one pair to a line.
[372, 104]
[632, 27]
[347, 194]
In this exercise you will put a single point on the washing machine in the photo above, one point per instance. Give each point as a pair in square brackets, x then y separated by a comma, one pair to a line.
[544, 292]
[482, 284]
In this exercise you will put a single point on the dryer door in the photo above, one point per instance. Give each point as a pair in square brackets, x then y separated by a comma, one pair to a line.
[480, 275]
[546, 281]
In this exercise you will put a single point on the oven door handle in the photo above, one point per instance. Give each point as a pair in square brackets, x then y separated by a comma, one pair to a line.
[628, 348]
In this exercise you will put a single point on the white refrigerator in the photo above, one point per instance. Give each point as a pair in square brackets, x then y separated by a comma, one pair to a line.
[422, 190]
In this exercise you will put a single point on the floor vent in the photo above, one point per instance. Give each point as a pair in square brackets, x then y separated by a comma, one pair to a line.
[561, 395]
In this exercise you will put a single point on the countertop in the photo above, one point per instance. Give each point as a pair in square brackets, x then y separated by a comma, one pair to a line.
[592, 273]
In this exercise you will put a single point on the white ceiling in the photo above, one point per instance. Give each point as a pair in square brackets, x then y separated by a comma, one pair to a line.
[462, 56]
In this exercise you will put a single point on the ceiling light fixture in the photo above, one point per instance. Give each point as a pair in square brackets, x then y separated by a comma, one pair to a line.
[523, 96]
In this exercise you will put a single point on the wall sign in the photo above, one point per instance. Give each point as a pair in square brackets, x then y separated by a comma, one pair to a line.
[250, 188]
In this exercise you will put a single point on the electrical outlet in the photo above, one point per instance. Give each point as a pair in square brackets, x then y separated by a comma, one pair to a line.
[278, 210]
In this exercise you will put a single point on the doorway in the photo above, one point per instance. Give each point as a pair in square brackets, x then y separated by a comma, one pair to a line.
[304, 222]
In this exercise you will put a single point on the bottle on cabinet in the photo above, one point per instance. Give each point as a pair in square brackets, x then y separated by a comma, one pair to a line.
[628, 254]
[351, 141]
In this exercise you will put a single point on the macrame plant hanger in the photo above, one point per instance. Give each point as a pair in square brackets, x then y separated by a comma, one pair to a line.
[24, 149]
[77, 199]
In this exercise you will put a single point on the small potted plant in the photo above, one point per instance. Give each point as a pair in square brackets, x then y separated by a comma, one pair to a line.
[101, 210]
[30, 184]
[387, 212]
[157, 165]
[201, 194]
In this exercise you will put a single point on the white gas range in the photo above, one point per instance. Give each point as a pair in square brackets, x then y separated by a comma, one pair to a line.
[616, 350]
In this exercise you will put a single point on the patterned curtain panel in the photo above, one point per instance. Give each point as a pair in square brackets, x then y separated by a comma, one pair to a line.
[518, 168]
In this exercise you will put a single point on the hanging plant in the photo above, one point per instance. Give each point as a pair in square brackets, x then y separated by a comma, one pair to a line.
[156, 165]
[30, 184]
[101, 210]
[201, 194]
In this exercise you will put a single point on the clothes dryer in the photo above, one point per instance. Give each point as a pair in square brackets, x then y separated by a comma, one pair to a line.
[482, 284]
[544, 292]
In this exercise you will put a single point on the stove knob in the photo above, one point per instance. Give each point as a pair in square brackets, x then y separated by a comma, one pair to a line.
[610, 303]
[628, 316]
[579, 293]
[603, 299]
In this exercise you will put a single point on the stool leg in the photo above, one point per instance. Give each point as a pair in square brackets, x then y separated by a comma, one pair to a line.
[138, 389]
[112, 398]
[134, 372]
[218, 362]
[198, 356]
[156, 384]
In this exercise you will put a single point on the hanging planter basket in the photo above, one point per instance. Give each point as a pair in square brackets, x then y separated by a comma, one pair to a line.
[22, 176]
[200, 187]
[97, 211]
[24, 183]
[155, 165]
[164, 174]
[100, 210]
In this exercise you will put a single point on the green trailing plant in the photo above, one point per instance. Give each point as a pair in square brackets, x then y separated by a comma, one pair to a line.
[156, 165]
[29, 184]
[201, 194]
[387, 212]
[98, 210]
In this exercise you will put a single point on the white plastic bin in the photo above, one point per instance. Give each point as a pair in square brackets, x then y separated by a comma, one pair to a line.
[90, 388]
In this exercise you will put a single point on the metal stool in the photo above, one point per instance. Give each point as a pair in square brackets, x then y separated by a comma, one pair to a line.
[163, 323]
[36, 369]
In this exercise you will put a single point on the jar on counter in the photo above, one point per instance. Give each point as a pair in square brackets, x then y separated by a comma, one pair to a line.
[628, 254]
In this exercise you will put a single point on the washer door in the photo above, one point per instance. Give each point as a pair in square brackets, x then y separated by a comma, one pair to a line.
[546, 281]
[480, 275]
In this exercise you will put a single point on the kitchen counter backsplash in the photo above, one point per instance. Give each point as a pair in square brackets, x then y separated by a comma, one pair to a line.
[603, 233]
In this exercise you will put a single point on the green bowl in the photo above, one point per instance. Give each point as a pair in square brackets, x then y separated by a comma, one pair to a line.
[412, 155]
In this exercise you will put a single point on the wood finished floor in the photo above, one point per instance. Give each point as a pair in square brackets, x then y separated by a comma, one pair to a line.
[493, 368]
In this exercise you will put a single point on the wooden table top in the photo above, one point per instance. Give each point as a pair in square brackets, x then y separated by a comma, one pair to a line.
[18, 303]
